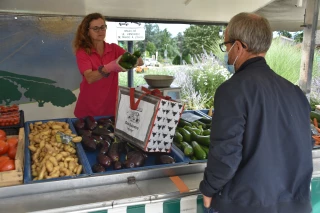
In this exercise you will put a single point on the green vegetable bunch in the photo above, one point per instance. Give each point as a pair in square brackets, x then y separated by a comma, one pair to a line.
[128, 60]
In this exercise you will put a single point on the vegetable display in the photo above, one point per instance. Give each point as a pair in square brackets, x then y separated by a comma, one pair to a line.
[51, 158]
[111, 153]
[8, 149]
[193, 138]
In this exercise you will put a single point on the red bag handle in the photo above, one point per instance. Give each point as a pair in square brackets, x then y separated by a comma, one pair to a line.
[156, 92]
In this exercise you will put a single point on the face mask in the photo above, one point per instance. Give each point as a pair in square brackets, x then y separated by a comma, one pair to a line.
[230, 68]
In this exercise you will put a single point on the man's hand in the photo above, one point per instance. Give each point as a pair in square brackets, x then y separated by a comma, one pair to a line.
[207, 201]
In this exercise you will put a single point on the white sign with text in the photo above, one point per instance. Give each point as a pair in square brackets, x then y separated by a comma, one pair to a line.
[130, 33]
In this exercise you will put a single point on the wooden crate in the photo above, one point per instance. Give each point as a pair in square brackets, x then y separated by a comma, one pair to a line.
[15, 177]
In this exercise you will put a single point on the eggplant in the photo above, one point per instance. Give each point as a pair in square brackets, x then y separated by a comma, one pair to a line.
[79, 124]
[104, 147]
[97, 139]
[127, 148]
[105, 121]
[112, 118]
[88, 143]
[107, 138]
[134, 159]
[96, 168]
[117, 165]
[104, 160]
[129, 164]
[101, 130]
[131, 147]
[113, 152]
[121, 147]
[91, 123]
[164, 159]
[84, 132]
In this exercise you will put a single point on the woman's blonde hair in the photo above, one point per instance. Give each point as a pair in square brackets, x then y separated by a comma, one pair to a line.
[82, 39]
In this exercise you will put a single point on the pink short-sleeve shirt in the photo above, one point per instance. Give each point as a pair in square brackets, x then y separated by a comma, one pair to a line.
[98, 98]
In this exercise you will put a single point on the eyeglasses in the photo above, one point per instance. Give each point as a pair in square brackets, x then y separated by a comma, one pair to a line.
[97, 29]
[223, 46]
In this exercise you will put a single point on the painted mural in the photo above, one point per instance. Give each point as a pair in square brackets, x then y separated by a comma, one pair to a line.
[38, 68]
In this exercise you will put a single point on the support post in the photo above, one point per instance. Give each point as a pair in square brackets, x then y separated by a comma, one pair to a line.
[130, 72]
[310, 26]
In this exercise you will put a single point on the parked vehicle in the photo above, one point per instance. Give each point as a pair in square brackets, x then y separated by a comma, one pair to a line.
[151, 62]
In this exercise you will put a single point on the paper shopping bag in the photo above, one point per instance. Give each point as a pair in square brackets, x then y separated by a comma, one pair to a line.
[146, 119]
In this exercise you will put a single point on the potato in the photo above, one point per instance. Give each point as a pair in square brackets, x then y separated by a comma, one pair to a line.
[54, 175]
[32, 148]
[56, 127]
[54, 161]
[66, 171]
[41, 175]
[49, 166]
[72, 165]
[65, 154]
[77, 139]
[79, 169]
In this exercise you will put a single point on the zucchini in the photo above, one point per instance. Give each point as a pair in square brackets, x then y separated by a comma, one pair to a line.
[205, 149]
[193, 158]
[185, 134]
[178, 145]
[204, 126]
[187, 149]
[193, 129]
[201, 139]
[198, 151]
[205, 120]
[177, 137]
[183, 123]
[206, 132]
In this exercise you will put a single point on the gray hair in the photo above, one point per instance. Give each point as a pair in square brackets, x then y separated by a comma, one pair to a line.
[251, 29]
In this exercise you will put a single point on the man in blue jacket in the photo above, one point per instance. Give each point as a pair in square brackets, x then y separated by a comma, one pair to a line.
[260, 158]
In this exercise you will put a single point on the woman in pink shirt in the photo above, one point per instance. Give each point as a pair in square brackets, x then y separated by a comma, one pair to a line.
[98, 64]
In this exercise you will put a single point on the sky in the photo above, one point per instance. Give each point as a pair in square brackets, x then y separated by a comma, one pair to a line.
[174, 29]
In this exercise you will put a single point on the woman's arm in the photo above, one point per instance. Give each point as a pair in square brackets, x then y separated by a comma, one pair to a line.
[92, 76]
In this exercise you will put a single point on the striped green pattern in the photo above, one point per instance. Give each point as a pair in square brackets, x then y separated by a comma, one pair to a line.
[193, 204]
[189, 204]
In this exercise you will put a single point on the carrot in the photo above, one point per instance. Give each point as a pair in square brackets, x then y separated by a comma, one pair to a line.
[315, 122]
[316, 138]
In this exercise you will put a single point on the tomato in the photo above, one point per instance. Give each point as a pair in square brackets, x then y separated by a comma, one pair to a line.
[12, 152]
[7, 166]
[3, 147]
[3, 160]
[3, 135]
[12, 142]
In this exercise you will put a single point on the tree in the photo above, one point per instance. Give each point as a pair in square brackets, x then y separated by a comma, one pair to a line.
[62, 97]
[151, 48]
[179, 40]
[285, 33]
[198, 36]
[40, 92]
[43, 93]
[39, 89]
[8, 91]
[151, 30]
[298, 37]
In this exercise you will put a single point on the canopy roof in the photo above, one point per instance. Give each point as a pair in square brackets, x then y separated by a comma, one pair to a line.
[282, 14]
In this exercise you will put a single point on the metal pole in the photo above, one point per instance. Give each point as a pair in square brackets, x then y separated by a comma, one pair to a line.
[130, 72]
[310, 26]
